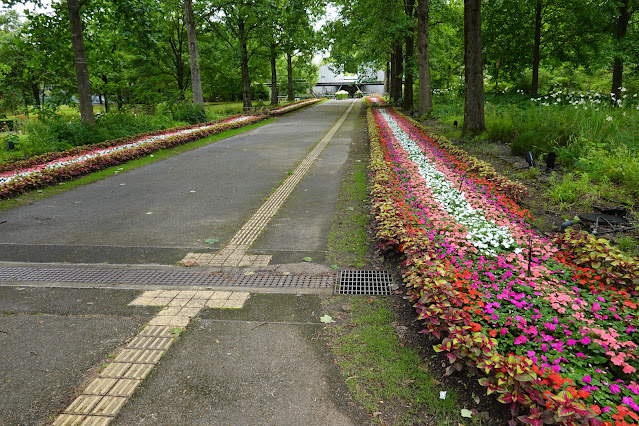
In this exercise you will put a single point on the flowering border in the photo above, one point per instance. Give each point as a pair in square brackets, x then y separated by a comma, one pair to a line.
[525, 315]
[56, 167]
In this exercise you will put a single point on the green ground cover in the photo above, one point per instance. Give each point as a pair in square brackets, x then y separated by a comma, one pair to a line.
[599, 142]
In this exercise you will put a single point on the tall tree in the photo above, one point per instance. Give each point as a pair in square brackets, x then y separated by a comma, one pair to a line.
[409, 9]
[196, 80]
[474, 122]
[624, 14]
[534, 85]
[423, 57]
[237, 22]
[80, 56]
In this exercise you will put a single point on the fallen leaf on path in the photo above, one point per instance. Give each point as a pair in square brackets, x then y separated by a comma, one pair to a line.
[466, 413]
[307, 259]
[326, 319]
[211, 241]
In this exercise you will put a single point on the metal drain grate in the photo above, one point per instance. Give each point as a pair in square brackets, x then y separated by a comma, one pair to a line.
[159, 277]
[369, 283]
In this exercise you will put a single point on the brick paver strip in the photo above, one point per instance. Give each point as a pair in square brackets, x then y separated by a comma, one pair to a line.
[100, 386]
[109, 406]
[96, 421]
[104, 396]
[234, 253]
[68, 420]
[124, 387]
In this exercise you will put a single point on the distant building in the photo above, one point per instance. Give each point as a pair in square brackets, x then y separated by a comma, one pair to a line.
[329, 82]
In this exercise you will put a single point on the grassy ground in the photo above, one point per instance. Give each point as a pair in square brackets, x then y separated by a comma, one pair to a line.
[33, 196]
[347, 241]
[388, 376]
[596, 141]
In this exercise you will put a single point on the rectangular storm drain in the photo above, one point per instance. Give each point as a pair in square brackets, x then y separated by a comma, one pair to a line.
[368, 283]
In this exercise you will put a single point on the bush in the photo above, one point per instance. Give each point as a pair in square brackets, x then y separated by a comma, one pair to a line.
[189, 112]
[55, 132]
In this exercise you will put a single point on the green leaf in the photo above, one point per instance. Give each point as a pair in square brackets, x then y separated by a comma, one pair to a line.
[211, 241]
[466, 413]
[176, 330]
[307, 259]
[335, 267]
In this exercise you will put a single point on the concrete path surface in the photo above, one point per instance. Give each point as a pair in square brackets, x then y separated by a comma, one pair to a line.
[96, 353]
[262, 363]
[161, 212]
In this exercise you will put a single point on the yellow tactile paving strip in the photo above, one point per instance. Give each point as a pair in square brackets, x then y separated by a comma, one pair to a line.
[106, 394]
[234, 253]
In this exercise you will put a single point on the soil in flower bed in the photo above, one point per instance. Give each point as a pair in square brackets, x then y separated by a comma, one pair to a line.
[548, 215]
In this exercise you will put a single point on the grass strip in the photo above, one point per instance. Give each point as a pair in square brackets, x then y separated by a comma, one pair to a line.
[347, 240]
[32, 196]
[389, 379]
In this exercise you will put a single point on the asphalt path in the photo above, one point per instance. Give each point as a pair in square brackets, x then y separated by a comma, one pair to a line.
[160, 212]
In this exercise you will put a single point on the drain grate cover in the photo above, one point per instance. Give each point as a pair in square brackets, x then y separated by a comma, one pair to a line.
[370, 283]
[173, 277]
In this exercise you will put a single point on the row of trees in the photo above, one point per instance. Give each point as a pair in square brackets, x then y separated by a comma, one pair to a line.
[151, 51]
[474, 40]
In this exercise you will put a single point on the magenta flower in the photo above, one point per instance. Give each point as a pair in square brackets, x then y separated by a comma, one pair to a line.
[587, 379]
[614, 388]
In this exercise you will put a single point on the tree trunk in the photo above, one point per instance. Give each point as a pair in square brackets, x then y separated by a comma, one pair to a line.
[617, 65]
[81, 69]
[396, 71]
[35, 89]
[387, 85]
[534, 87]
[473, 70]
[392, 79]
[246, 78]
[409, 9]
[423, 57]
[196, 80]
[274, 100]
[289, 69]
[105, 80]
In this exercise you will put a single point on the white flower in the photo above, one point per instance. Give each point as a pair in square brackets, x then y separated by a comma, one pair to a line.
[609, 118]
[482, 232]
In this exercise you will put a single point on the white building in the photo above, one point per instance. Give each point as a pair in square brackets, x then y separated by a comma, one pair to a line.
[329, 82]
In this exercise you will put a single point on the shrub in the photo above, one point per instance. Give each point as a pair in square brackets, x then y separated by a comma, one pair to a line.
[189, 112]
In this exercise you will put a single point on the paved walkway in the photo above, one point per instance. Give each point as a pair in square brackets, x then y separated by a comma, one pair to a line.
[177, 350]
[159, 213]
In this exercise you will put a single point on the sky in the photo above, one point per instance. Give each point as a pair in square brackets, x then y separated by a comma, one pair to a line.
[20, 7]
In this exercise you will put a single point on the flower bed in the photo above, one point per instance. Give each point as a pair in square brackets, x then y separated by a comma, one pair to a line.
[550, 326]
[58, 166]
[375, 101]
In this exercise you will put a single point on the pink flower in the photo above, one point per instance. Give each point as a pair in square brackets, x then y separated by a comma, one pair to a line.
[614, 388]
[520, 340]
[585, 340]
[587, 379]
[630, 402]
